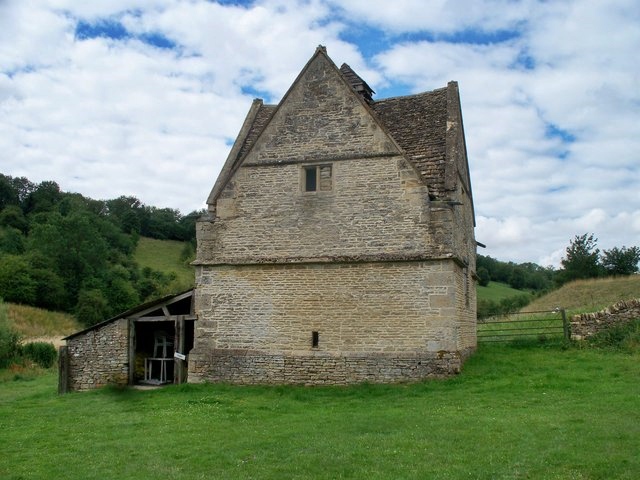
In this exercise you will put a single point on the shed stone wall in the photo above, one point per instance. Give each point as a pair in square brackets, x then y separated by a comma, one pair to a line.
[99, 357]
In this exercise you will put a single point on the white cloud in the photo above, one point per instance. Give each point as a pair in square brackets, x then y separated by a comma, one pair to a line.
[550, 98]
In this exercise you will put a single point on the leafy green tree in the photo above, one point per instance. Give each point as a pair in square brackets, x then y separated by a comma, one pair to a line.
[126, 212]
[120, 292]
[16, 282]
[8, 194]
[621, 261]
[12, 216]
[483, 276]
[11, 241]
[517, 278]
[92, 307]
[582, 259]
[44, 197]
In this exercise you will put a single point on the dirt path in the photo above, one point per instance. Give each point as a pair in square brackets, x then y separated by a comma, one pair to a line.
[56, 341]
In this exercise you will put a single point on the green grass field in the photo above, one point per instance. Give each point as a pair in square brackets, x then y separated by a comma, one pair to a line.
[537, 413]
[496, 291]
[164, 256]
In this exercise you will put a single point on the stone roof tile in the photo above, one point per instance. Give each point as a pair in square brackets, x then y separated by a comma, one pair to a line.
[418, 124]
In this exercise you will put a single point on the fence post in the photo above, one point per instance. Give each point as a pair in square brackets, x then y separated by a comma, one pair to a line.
[565, 325]
[63, 369]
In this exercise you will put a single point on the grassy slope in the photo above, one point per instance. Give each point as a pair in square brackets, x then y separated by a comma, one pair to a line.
[512, 413]
[589, 295]
[164, 255]
[32, 322]
[496, 291]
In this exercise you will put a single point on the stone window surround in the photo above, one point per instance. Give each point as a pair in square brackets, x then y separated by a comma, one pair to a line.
[319, 185]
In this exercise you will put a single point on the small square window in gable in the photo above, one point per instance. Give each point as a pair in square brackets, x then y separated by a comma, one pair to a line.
[317, 178]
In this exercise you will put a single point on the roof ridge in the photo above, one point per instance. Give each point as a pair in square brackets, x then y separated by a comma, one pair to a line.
[412, 95]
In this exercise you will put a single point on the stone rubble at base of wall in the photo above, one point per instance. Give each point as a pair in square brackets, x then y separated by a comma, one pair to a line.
[585, 325]
[321, 368]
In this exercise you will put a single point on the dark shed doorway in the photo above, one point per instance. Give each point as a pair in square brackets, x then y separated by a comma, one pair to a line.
[160, 339]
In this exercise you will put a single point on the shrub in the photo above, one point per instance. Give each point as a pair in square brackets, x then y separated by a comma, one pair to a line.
[42, 353]
[9, 339]
[625, 337]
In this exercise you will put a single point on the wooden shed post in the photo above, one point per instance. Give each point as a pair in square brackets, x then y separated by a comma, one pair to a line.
[179, 364]
[63, 369]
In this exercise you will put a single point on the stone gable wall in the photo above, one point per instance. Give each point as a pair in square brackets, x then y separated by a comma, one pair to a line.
[320, 118]
[587, 324]
[99, 357]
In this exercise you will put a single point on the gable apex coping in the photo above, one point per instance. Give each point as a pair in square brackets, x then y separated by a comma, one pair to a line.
[231, 162]
[234, 159]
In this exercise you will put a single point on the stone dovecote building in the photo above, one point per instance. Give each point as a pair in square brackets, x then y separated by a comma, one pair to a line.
[339, 244]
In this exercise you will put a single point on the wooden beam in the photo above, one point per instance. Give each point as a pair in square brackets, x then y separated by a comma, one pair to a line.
[170, 318]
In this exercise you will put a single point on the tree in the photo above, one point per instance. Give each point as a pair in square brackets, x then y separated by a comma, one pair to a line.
[44, 197]
[483, 276]
[92, 307]
[582, 260]
[621, 261]
[16, 283]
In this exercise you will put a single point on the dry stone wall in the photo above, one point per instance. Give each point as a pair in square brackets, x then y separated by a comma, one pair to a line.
[99, 357]
[588, 324]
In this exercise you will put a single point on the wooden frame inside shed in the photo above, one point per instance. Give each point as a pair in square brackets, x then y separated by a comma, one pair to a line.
[148, 344]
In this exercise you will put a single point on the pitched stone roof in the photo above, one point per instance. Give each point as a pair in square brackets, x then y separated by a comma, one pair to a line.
[418, 123]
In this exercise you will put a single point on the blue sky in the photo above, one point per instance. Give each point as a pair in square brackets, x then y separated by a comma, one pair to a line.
[145, 97]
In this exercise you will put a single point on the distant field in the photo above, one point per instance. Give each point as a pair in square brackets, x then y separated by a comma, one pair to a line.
[164, 255]
[496, 291]
[589, 295]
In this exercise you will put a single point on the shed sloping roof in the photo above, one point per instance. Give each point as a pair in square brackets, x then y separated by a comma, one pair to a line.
[138, 310]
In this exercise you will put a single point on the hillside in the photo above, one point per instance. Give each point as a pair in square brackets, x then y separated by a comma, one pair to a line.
[166, 257]
[589, 295]
[496, 291]
[37, 324]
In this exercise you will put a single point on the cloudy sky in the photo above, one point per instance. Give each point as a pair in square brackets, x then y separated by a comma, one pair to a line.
[145, 97]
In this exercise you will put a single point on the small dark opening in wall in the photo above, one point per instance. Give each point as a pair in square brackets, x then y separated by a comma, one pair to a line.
[315, 338]
[310, 179]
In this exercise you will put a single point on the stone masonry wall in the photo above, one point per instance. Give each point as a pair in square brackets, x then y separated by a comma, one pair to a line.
[320, 118]
[99, 357]
[392, 318]
[375, 210]
[587, 324]
[323, 368]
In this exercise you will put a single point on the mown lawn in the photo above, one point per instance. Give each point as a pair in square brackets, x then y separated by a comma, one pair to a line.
[528, 412]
